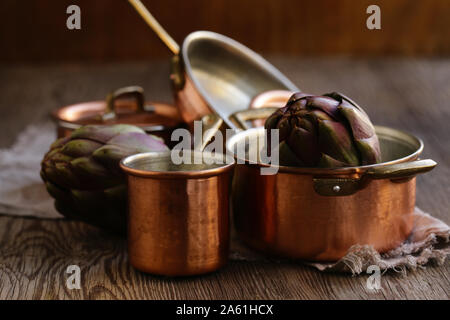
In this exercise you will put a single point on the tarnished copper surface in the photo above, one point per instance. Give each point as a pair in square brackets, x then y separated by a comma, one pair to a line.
[178, 220]
[294, 213]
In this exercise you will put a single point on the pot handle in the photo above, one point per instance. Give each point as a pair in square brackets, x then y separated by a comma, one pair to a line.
[134, 91]
[177, 77]
[348, 186]
[240, 118]
[176, 65]
[401, 170]
[211, 123]
[155, 26]
[261, 107]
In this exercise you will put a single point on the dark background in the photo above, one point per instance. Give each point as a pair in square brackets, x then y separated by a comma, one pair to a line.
[44, 66]
[35, 30]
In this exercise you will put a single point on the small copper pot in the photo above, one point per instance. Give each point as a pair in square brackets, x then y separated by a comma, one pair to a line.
[318, 214]
[156, 118]
[178, 215]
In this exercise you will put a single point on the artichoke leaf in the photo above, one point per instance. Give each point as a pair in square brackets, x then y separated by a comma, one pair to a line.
[103, 134]
[334, 137]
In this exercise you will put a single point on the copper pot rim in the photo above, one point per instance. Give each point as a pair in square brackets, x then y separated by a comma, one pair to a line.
[58, 115]
[333, 171]
[192, 174]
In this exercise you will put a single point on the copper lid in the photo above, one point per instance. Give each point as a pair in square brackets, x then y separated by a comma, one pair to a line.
[150, 116]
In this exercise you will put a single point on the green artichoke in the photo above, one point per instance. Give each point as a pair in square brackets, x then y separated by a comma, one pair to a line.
[82, 172]
[324, 131]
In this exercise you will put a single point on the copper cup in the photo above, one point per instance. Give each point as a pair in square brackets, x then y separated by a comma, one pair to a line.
[178, 214]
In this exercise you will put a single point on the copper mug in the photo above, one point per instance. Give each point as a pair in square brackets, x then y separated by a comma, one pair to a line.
[178, 219]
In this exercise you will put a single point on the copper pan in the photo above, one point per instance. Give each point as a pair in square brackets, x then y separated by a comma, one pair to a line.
[318, 214]
[211, 72]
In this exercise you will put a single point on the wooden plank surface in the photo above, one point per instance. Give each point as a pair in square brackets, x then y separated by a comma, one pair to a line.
[412, 95]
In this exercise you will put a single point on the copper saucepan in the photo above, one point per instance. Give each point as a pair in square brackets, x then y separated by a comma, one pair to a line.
[318, 214]
[153, 117]
[212, 72]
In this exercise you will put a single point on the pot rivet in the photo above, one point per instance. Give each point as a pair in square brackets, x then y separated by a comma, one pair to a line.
[336, 189]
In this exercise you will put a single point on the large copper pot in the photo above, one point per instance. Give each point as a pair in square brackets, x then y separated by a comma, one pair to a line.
[318, 214]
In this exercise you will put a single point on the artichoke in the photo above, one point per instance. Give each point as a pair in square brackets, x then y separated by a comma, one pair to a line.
[82, 172]
[324, 131]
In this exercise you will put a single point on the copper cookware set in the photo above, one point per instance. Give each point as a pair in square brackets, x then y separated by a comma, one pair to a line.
[178, 214]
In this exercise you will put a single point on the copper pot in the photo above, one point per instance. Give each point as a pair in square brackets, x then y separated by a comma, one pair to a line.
[318, 214]
[178, 215]
[156, 118]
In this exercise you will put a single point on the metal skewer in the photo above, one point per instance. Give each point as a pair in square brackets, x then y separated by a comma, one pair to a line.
[156, 27]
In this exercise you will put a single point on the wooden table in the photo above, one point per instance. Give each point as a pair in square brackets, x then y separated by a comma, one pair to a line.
[408, 94]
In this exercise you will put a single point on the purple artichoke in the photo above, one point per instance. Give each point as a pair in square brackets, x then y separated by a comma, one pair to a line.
[82, 172]
[324, 131]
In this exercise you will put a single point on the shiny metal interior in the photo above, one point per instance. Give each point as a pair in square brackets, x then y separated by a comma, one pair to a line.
[396, 146]
[161, 162]
[228, 74]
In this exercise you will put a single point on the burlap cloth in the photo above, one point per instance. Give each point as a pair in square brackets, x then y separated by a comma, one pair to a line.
[22, 193]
